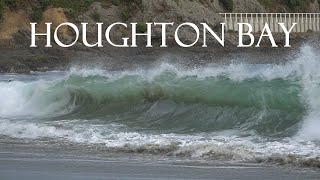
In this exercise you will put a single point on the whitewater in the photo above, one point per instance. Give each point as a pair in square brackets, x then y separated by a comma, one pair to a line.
[236, 112]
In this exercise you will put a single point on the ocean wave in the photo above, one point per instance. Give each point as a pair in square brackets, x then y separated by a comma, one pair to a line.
[167, 102]
[262, 113]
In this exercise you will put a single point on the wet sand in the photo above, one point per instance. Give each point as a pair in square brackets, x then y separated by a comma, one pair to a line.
[28, 162]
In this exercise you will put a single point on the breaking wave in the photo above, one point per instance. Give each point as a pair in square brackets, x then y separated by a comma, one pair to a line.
[239, 111]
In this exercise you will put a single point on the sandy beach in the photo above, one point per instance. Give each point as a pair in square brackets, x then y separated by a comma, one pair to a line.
[16, 166]
[29, 161]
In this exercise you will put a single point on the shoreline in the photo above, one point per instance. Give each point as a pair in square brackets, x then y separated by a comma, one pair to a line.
[22, 59]
[25, 161]
[50, 147]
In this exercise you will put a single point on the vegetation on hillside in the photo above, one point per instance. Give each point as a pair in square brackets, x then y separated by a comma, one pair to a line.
[289, 5]
[73, 7]
[76, 7]
[38, 6]
[227, 4]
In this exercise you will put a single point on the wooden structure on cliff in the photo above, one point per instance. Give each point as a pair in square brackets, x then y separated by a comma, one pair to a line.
[305, 21]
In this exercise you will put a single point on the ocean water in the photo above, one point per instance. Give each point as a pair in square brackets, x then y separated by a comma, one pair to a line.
[237, 112]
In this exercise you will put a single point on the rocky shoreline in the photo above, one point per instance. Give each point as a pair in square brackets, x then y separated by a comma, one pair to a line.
[16, 56]
[23, 59]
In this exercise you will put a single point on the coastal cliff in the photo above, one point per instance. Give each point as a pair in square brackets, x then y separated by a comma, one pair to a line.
[16, 15]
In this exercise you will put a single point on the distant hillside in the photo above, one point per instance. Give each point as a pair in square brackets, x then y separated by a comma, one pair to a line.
[35, 8]
[16, 15]
[291, 5]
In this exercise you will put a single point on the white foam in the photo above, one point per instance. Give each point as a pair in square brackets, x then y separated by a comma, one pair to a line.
[31, 130]
[32, 99]
[310, 65]
[198, 145]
